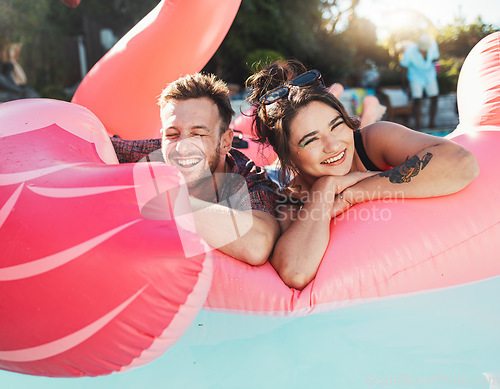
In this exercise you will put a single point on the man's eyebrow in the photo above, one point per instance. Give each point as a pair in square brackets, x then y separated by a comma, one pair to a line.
[200, 127]
[307, 136]
[195, 127]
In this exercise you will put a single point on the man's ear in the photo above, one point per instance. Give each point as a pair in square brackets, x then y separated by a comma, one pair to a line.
[226, 141]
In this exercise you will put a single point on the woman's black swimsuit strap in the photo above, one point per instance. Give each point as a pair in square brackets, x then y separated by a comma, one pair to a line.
[360, 148]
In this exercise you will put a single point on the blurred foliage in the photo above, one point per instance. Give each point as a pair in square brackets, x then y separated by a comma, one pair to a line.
[325, 34]
[288, 28]
[295, 29]
[336, 11]
[448, 75]
[360, 51]
[53, 91]
[260, 58]
[118, 15]
[20, 20]
[456, 41]
[49, 31]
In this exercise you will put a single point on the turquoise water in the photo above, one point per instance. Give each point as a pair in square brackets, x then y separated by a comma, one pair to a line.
[440, 132]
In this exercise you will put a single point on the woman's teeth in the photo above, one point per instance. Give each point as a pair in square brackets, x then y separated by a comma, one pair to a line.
[333, 159]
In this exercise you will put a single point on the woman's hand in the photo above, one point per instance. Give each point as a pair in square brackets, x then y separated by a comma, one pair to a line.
[327, 191]
[309, 227]
[341, 203]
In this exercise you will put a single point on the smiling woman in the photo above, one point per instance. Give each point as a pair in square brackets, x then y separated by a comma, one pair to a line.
[335, 164]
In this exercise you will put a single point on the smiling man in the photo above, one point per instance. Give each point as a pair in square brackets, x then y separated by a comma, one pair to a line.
[194, 142]
[228, 191]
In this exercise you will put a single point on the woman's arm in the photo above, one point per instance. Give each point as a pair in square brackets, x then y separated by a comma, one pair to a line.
[305, 232]
[424, 165]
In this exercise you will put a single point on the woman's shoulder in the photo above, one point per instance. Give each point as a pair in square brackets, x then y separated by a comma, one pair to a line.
[383, 133]
[381, 127]
[391, 143]
[380, 136]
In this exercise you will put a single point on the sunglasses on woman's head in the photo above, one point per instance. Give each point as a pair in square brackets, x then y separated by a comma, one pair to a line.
[282, 91]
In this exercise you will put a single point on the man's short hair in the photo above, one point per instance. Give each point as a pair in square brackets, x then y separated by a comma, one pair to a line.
[199, 85]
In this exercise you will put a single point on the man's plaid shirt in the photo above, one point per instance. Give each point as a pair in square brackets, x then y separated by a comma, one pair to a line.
[263, 192]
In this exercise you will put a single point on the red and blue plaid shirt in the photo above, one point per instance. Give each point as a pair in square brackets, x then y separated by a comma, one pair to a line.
[262, 191]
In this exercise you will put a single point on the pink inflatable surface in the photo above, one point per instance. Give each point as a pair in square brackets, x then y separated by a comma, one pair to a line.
[91, 284]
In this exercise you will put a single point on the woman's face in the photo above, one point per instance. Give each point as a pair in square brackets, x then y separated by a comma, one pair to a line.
[320, 142]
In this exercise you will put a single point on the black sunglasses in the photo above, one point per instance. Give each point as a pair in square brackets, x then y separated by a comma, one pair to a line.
[282, 91]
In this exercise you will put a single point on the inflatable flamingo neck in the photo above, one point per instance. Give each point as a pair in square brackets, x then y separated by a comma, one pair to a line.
[71, 3]
[478, 91]
[174, 39]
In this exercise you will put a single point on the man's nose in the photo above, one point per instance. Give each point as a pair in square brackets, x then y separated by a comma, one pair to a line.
[184, 145]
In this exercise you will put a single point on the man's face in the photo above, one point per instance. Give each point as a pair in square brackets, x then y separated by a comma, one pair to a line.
[191, 138]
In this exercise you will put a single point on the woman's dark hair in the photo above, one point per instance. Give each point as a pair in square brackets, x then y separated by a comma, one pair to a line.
[276, 130]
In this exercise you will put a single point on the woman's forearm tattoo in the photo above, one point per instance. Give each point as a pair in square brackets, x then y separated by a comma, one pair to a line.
[408, 169]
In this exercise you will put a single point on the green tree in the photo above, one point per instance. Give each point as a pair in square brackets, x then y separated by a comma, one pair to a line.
[455, 41]
[286, 28]
[263, 30]
[26, 22]
[49, 31]
[305, 30]
[118, 15]
[362, 50]
[334, 11]
[21, 19]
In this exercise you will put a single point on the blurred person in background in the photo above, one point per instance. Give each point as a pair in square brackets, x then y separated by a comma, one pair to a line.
[420, 73]
[13, 80]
